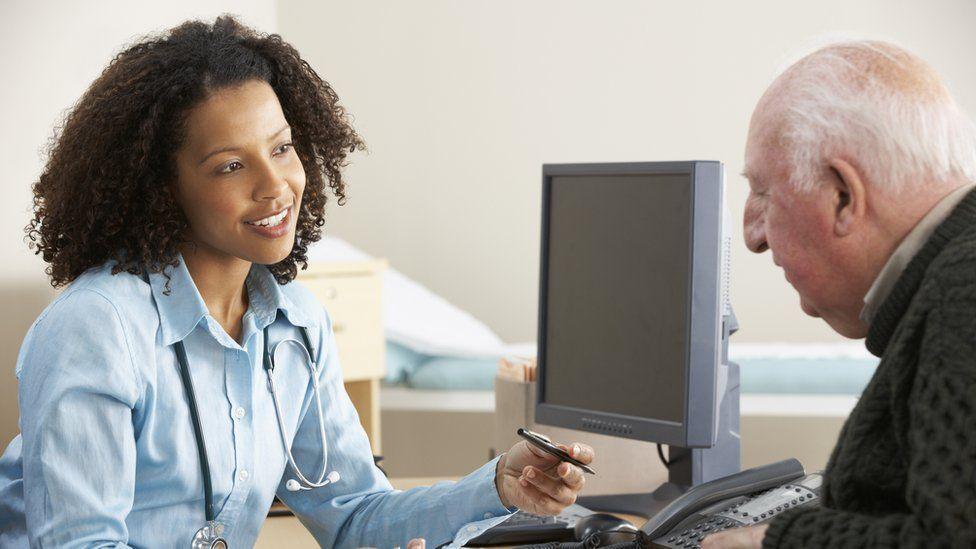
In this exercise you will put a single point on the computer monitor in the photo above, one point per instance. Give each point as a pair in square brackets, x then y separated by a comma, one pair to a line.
[633, 312]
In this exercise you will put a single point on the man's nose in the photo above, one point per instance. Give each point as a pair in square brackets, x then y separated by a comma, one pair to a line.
[755, 233]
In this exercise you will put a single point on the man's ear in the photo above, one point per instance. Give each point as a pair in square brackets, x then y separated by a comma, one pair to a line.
[848, 195]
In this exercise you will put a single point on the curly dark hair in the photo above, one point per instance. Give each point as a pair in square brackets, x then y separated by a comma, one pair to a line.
[106, 192]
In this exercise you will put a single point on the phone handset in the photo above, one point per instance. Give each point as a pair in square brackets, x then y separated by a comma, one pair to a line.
[749, 481]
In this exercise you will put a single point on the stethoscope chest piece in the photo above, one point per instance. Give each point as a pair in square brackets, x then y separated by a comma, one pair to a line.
[209, 537]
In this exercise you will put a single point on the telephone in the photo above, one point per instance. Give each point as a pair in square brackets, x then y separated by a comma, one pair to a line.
[750, 497]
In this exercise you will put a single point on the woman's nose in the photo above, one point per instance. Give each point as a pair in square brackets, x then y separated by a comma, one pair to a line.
[271, 184]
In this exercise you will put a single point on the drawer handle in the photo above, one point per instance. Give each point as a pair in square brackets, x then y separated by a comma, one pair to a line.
[338, 327]
[330, 292]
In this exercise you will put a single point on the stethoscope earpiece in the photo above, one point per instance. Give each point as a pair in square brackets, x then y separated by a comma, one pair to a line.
[294, 486]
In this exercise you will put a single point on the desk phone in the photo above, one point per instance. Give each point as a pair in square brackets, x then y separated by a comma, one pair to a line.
[696, 514]
[747, 498]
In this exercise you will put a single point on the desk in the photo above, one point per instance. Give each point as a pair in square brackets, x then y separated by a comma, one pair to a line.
[289, 532]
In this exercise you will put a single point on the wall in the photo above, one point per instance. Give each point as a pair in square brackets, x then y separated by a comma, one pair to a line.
[462, 102]
[52, 51]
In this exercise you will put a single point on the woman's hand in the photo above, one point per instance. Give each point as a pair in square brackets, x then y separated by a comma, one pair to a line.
[749, 537]
[537, 482]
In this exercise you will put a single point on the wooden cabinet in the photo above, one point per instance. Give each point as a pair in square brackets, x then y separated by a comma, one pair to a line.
[352, 293]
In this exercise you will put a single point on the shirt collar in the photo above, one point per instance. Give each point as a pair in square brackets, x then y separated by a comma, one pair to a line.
[183, 308]
[907, 249]
[267, 297]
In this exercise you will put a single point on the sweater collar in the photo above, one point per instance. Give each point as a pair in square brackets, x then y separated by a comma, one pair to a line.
[893, 308]
[909, 247]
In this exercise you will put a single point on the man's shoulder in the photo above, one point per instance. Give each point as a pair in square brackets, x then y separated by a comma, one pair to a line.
[953, 272]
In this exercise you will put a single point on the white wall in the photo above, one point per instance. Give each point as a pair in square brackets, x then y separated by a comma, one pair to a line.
[50, 52]
[461, 103]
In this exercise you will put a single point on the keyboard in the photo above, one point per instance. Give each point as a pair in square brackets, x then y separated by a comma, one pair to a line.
[524, 527]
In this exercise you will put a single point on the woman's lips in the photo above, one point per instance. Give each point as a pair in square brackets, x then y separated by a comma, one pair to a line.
[276, 231]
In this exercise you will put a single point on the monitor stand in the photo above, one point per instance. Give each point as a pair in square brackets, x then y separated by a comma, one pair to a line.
[687, 466]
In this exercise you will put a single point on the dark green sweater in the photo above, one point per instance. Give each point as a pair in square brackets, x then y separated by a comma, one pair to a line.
[903, 472]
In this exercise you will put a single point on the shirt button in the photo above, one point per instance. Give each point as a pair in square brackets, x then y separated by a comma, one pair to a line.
[242, 476]
[489, 515]
[472, 528]
[239, 412]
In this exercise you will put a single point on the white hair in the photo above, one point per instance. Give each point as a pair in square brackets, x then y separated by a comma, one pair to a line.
[879, 106]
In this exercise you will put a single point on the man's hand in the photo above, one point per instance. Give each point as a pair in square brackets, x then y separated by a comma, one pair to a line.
[749, 537]
[538, 483]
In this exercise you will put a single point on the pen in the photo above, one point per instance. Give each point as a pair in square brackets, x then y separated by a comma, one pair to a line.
[543, 443]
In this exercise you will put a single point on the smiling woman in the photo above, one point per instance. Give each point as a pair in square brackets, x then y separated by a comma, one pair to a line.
[175, 119]
[182, 380]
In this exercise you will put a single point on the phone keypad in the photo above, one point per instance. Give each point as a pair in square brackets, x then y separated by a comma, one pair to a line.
[753, 509]
[692, 537]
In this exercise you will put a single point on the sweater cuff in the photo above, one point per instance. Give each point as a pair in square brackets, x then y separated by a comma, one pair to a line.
[778, 527]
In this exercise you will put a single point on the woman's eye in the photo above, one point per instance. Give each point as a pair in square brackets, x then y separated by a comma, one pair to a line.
[283, 148]
[224, 170]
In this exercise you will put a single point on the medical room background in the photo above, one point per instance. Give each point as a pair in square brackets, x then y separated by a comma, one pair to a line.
[460, 104]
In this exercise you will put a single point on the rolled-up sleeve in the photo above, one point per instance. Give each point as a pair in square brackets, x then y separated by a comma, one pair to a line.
[77, 390]
[362, 509]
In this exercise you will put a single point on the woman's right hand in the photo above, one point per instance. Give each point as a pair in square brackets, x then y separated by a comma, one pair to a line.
[417, 543]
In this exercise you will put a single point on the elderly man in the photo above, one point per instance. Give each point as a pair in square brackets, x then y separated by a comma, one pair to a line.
[861, 170]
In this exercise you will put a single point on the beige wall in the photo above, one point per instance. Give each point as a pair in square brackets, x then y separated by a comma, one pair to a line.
[461, 103]
[49, 53]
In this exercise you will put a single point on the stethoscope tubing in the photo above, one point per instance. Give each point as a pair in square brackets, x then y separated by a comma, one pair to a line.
[269, 368]
[197, 429]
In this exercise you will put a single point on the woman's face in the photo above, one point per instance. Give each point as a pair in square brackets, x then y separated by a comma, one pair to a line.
[240, 181]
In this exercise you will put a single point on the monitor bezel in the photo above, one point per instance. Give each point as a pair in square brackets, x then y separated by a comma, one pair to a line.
[704, 306]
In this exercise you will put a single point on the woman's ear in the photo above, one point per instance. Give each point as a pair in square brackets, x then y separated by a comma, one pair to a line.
[848, 195]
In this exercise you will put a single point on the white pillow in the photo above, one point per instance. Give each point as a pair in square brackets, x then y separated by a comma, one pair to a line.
[414, 316]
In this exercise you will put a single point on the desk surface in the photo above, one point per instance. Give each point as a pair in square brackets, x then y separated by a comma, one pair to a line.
[289, 532]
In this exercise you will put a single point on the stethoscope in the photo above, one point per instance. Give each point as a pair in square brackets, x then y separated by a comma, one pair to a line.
[211, 535]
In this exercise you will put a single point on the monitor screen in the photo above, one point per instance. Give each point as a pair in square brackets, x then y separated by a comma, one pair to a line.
[617, 294]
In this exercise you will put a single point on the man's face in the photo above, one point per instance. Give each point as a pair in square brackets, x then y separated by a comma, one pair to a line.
[240, 182]
[797, 228]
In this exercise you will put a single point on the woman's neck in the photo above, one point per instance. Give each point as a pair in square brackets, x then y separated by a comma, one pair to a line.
[220, 280]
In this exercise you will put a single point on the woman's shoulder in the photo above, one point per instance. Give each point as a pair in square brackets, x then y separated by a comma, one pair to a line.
[102, 301]
[124, 291]
[94, 320]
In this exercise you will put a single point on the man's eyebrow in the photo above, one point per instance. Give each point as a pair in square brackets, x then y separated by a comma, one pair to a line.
[751, 177]
[228, 149]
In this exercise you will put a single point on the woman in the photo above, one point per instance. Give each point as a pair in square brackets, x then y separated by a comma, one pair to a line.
[176, 206]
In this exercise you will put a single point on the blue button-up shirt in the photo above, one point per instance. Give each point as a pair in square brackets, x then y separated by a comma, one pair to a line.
[107, 456]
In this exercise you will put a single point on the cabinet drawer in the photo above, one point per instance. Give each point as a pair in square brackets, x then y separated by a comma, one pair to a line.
[354, 302]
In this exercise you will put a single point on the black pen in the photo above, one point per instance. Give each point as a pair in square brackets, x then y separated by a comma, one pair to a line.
[542, 442]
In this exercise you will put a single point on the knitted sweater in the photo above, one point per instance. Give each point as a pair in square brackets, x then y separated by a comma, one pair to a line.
[903, 472]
